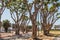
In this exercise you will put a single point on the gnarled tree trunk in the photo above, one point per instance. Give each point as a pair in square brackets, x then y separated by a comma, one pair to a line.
[34, 30]
[17, 29]
[46, 29]
[46, 32]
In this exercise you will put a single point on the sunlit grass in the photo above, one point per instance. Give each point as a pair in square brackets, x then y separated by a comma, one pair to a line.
[53, 32]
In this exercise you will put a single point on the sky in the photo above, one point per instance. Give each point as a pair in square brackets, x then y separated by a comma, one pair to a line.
[6, 15]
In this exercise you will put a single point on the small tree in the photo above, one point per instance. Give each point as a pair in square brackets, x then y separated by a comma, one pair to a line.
[6, 24]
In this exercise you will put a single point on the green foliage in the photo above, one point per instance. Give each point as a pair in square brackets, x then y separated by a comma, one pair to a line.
[58, 4]
[0, 5]
[55, 0]
[58, 16]
[17, 7]
[29, 27]
[15, 4]
[25, 17]
[6, 24]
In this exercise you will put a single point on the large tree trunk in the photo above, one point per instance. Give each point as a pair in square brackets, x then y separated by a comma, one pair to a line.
[17, 32]
[26, 29]
[46, 32]
[17, 29]
[6, 29]
[22, 29]
[34, 31]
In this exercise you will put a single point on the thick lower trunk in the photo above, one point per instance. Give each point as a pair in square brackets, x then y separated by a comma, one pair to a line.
[6, 29]
[34, 31]
[26, 30]
[23, 29]
[46, 32]
[17, 29]
[17, 32]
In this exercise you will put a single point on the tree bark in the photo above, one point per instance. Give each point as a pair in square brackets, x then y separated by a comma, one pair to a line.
[34, 31]
[17, 29]
[17, 32]
[46, 32]
[6, 29]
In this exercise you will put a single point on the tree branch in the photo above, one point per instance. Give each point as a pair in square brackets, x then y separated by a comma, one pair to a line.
[12, 16]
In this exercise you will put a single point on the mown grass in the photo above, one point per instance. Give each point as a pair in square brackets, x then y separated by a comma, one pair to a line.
[53, 32]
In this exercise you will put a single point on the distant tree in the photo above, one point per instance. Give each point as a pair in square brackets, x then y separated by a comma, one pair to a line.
[6, 24]
[29, 27]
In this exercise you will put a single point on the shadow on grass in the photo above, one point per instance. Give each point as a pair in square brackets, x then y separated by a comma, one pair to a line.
[53, 35]
[37, 39]
[13, 37]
